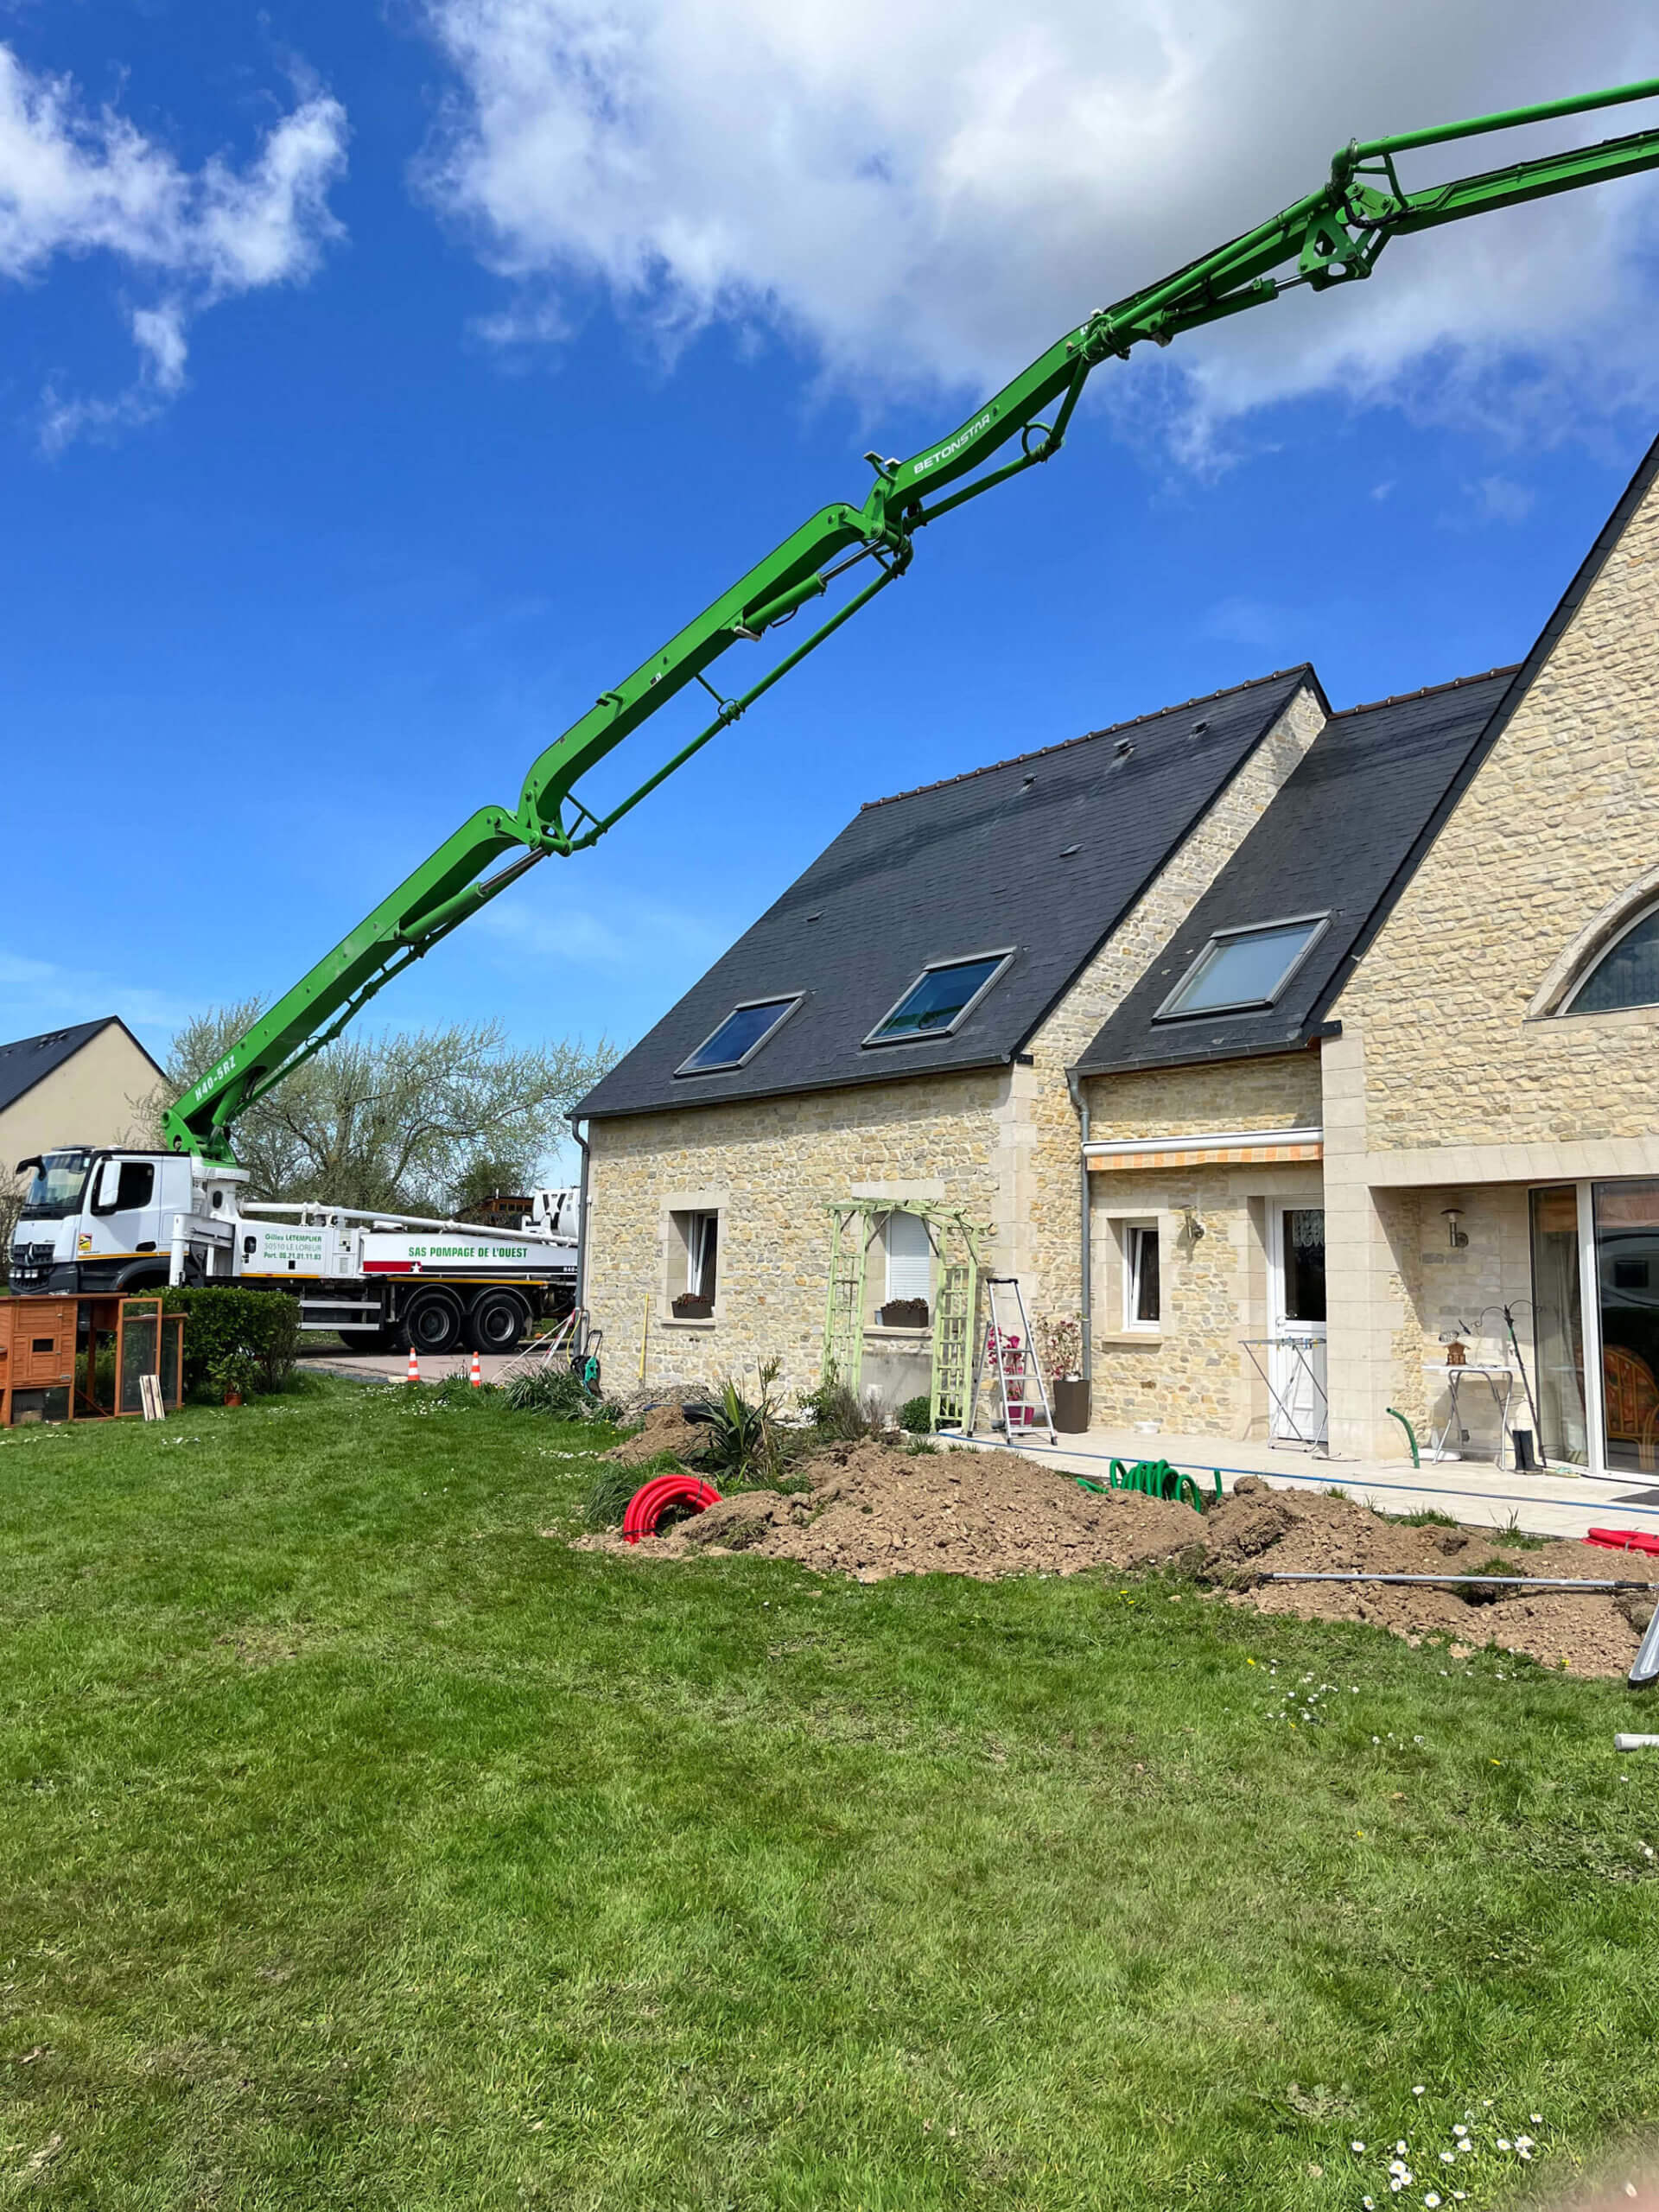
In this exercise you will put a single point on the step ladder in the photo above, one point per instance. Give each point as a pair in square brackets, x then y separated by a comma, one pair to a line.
[1008, 1358]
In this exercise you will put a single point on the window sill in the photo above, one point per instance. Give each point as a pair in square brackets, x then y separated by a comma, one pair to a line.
[1119, 1337]
[874, 1332]
[678, 1321]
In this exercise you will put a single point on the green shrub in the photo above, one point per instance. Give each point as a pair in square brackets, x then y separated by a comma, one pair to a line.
[836, 1414]
[252, 1332]
[743, 1444]
[916, 1415]
[554, 1391]
[459, 1391]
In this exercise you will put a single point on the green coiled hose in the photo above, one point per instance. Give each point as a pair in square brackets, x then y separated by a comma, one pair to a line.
[1154, 1478]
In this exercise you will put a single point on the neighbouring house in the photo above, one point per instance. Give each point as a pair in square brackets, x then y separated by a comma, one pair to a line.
[1295, 1052]
[86, 1084]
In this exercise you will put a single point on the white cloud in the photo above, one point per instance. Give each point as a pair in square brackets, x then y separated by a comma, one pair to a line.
[636, 938]
[73, 182]
[1501, 500]
[927, 194]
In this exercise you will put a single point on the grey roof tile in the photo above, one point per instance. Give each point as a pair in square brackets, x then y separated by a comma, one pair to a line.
[1330, 843]
[1045, 854]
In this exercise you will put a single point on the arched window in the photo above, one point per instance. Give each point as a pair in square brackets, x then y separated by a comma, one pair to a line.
[1627, 973]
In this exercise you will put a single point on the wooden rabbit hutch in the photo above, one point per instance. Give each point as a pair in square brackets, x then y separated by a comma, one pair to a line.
[85, 1359]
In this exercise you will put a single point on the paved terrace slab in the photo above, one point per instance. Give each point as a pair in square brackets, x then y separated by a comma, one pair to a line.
[1474, 1492]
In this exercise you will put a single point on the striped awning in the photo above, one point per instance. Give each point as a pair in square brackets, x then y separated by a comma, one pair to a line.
[1210, 1148]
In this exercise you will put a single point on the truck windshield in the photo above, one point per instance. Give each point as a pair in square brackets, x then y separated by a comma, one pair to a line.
[56, 1190]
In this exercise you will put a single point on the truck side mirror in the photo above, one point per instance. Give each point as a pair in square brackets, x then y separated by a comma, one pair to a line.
[249, 1245]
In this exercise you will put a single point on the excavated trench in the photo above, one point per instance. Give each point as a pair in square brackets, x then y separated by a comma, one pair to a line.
[876, 1509]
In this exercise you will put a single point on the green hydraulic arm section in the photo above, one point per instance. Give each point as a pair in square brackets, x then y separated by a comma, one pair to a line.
[1332, 237]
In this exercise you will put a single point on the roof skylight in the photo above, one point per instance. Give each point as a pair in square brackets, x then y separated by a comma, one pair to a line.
[1243, 968]
[741, 1036]
[940, 1000]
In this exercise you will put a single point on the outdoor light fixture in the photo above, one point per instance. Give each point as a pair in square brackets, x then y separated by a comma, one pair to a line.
[1456, 1235]
[1194, 1227]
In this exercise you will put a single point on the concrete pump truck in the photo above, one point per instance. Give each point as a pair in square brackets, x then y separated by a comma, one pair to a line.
[105, 1219]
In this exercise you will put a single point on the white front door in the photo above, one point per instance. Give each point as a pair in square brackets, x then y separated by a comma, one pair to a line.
[1296, 1253]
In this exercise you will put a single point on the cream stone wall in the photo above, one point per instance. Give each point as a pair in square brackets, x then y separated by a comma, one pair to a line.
[1189, 1374]
[769, 1167]
[1444, 1070]
[1046, 1232]
[1563, 813]
[1278, 1091]
[1192, 1376]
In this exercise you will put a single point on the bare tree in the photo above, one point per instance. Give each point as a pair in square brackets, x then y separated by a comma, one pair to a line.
[403, 1121]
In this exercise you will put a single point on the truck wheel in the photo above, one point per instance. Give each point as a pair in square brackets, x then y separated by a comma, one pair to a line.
[432, 1321]
[497, 1321]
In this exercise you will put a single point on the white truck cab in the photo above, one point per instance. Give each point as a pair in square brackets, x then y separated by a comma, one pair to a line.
[99, 1218]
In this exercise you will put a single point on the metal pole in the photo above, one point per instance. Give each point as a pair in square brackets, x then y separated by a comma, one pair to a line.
[1485, 1582]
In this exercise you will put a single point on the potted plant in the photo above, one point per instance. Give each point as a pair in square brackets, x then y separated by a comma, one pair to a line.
[1060, 1346]
[233, 1374]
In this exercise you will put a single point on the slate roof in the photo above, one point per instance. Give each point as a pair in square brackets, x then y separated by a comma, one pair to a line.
[31, 1058]
[1333, 842]
[1046, 853]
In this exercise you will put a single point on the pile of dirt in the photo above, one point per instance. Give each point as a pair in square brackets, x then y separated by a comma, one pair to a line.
[634, 1401]
[666, 1429]
[874, 1510]
[1308, 1534]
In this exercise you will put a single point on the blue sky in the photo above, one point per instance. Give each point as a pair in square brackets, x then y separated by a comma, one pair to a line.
[380, 385]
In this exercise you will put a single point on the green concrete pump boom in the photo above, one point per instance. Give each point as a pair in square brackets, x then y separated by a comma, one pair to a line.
[1332, 237]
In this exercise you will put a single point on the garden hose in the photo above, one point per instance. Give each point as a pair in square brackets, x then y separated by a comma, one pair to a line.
[1411, 1435]
[1154, 1478]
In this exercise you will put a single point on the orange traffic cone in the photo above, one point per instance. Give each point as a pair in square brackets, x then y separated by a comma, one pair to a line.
[413, 1370]
[478, 1373]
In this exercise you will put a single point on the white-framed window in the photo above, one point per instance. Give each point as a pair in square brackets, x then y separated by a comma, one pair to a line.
[1242, 968]
[941, 999]
[741, 1036]
[1143, 1306]
[909, 1249]
[693, 1264]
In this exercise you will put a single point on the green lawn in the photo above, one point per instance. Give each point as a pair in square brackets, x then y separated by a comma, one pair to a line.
[362, 1847]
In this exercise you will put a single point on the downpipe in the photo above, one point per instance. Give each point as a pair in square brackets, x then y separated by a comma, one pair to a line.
[582, 1218]
[1086, 1299]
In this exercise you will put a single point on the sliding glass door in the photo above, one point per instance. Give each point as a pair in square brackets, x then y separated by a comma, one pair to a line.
[1558, 1325]
[1627, 1284]
[1595, 1292]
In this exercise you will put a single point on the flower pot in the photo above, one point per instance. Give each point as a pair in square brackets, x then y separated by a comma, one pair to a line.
[232, 1397]
[1070, 1403]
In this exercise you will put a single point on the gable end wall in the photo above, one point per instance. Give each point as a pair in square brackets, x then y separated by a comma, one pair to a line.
[1561, 815]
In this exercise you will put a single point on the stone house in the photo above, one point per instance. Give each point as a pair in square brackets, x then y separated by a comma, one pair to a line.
[85, 1085]
[1282, 1046]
